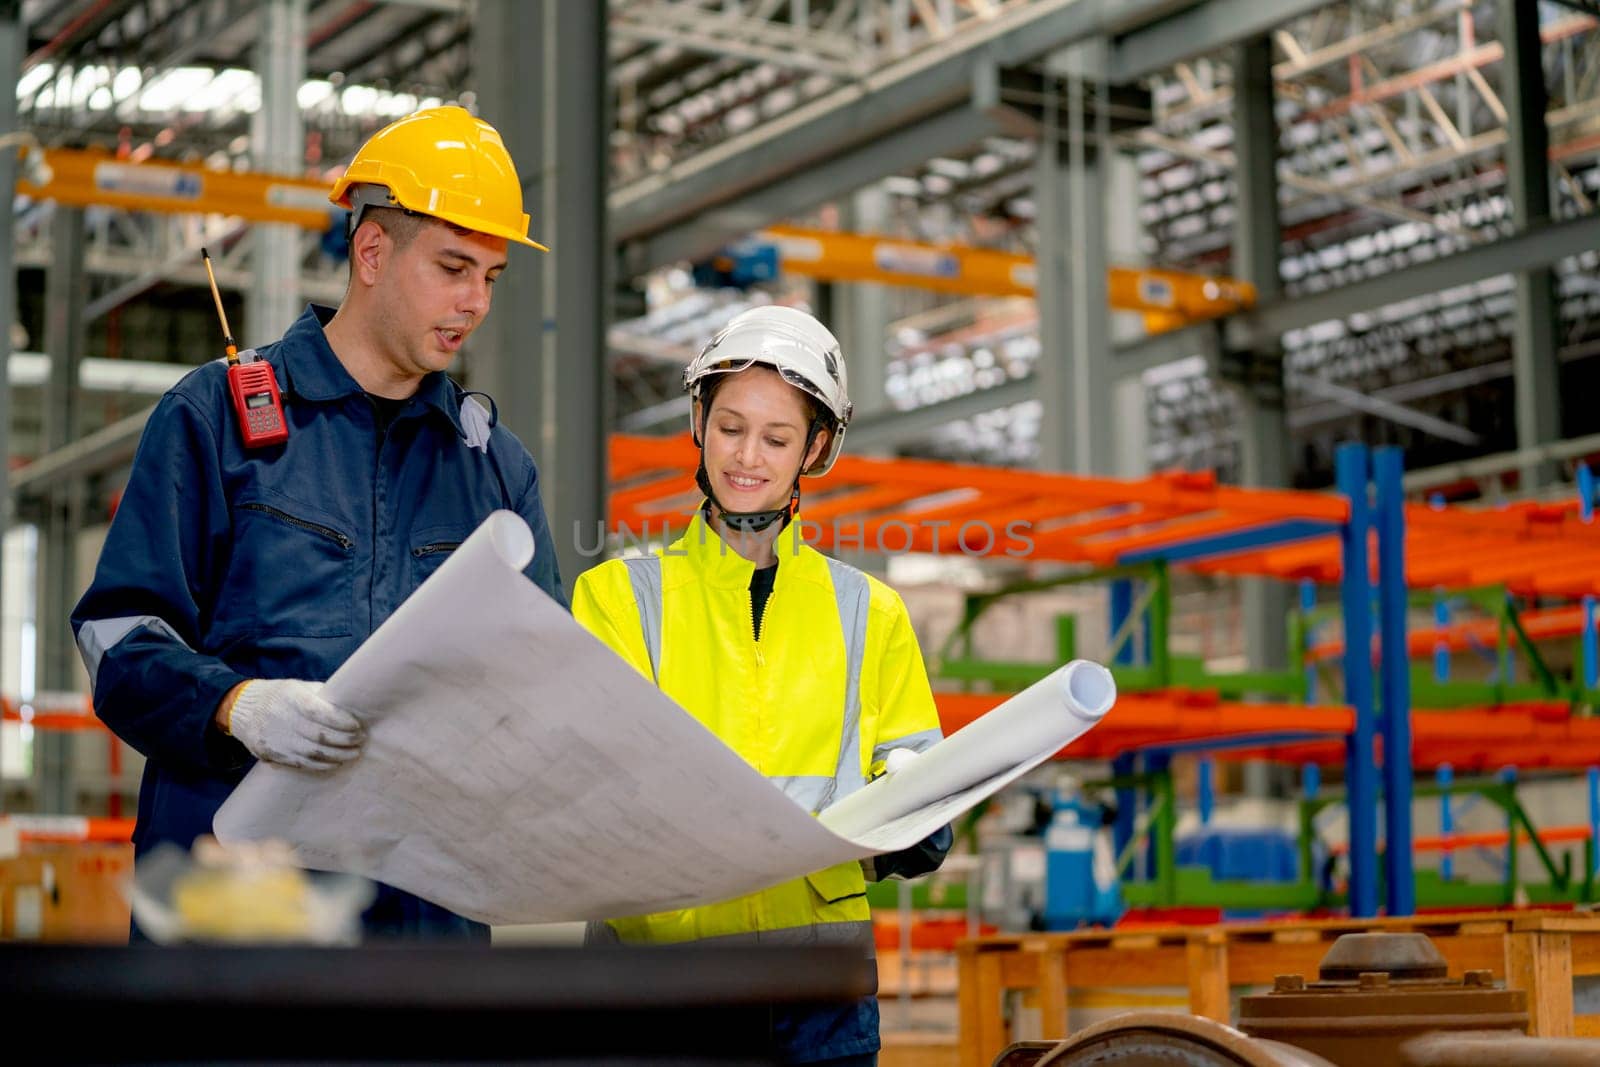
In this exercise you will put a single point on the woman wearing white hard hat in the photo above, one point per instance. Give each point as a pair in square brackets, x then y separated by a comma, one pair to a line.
[817, 674]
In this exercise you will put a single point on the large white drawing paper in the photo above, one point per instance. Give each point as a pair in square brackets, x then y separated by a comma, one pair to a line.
[517, 770]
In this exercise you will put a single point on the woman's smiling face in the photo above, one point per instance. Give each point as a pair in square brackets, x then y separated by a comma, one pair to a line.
[754, 437]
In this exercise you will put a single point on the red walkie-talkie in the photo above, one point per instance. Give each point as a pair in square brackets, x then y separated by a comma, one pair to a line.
[253, 386]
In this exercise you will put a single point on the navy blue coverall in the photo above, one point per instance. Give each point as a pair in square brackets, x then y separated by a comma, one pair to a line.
[224, 564]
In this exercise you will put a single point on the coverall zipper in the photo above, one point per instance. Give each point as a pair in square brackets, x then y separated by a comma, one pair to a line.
[755, 637]
[435, 547]
[377, 518]
[317, 528]
[755, 916]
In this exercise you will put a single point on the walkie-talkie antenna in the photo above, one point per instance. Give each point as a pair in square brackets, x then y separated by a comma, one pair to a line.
[227, 333]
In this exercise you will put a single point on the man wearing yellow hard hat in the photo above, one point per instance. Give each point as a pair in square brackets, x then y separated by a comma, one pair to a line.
[243, 567]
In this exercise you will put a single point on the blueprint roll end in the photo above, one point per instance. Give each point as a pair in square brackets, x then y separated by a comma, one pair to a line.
[1088, 689]
[513, 541]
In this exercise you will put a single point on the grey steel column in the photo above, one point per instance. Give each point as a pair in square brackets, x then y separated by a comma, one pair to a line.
[542, 353]
[1263, 427]
[506, 356]
[860, 311]
[1534, 341]
[858, 315]
[1129, 408]
[65, 335]
[1074, 314]
[1255, 258]
[278, 145]
[11, 35]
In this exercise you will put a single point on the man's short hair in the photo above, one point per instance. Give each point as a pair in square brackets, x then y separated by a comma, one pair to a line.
[401, 226]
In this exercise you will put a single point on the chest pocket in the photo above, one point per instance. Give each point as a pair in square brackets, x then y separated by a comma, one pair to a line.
[430, 546]
[290, 574]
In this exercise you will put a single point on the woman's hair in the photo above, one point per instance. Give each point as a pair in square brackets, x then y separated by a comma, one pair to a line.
[814, 412]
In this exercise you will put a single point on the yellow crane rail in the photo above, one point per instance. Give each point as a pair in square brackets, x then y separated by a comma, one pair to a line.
[84, 178]
[1168, 298]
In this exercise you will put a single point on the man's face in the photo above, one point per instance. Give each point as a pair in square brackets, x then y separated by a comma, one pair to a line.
[434, 292]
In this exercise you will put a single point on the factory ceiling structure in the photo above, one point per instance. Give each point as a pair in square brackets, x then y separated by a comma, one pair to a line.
[1411, 184]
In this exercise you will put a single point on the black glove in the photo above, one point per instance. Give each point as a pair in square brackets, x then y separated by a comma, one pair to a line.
[921, 858]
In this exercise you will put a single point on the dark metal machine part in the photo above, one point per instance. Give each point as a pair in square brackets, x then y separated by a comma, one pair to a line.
[1375, 993]
[1399, 955]
[1380, 1000]
[1165, 1039]
[1488, 1050]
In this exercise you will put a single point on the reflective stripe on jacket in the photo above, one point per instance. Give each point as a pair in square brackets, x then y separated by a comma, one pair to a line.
[835, 681]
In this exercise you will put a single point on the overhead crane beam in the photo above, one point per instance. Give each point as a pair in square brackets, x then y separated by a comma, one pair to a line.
[84, 178]
[1541, 245]
[850, 257]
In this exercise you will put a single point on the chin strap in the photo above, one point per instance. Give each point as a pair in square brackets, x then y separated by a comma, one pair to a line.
[746, 521]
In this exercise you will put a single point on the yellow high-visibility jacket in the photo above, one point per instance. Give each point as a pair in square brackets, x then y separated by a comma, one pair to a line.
[835, 682]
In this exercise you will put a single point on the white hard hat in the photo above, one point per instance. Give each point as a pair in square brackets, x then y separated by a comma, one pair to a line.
[792, 343]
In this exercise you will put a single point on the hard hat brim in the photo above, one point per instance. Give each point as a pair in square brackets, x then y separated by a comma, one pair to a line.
[340, 196]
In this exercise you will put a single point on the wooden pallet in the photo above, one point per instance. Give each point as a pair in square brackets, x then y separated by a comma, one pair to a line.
[66, 892]
[1538, 952]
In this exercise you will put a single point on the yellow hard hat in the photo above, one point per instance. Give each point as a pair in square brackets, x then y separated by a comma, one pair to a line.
[444, 162]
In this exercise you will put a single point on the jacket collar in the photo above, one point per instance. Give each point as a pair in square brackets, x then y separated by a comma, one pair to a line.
[313, 371]
[716, 563]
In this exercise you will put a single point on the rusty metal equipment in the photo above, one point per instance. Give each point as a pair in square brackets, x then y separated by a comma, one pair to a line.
[1375, 993]
[1379, 1000]
[1158, 1039]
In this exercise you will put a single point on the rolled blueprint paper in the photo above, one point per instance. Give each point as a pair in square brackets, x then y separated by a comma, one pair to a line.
[517, 770]
[1027, 729]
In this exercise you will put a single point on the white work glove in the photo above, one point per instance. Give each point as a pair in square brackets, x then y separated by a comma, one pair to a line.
[288, 722]
[899, 759]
